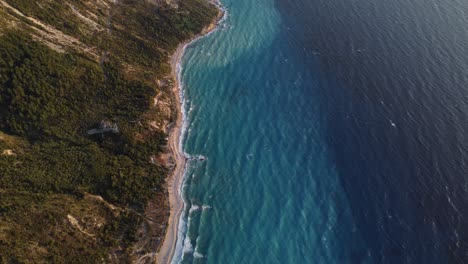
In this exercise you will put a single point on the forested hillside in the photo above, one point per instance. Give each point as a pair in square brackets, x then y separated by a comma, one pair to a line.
[68, 67]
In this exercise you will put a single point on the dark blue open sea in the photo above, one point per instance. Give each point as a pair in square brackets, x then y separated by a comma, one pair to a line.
[334, 131]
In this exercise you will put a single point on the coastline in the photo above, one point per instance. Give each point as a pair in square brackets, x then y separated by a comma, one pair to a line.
[167, 249]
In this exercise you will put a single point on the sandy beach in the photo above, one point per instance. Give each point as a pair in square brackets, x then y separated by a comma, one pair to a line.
[174, 182]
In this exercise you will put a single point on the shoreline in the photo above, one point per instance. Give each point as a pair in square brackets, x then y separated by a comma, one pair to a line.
[166, 251]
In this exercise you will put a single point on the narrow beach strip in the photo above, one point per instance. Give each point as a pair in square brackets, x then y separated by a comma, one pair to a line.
[174, 182]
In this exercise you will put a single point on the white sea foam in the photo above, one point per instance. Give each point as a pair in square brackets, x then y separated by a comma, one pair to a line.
[196, 252]
[206, 207]
[194, 208]
[188, 248]
[198, 255]
[200, 157]
[181, 234]
[182, 228]
[179, 245]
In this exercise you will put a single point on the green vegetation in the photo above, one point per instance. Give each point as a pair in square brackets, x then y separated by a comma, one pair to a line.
[32, 230]
[48, 100]
[163, 28]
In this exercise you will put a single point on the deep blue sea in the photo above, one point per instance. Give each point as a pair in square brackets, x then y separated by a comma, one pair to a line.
[334, 131]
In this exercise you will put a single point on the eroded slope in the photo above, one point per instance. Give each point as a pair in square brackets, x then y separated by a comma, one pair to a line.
[65, 67]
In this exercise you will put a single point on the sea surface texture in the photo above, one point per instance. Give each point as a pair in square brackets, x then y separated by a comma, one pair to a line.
[328, 131]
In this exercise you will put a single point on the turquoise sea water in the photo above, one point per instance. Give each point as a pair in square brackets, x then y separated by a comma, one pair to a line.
[334, 132]
[268, 191]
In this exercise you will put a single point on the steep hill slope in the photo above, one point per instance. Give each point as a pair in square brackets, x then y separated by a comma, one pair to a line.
[68, 67]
